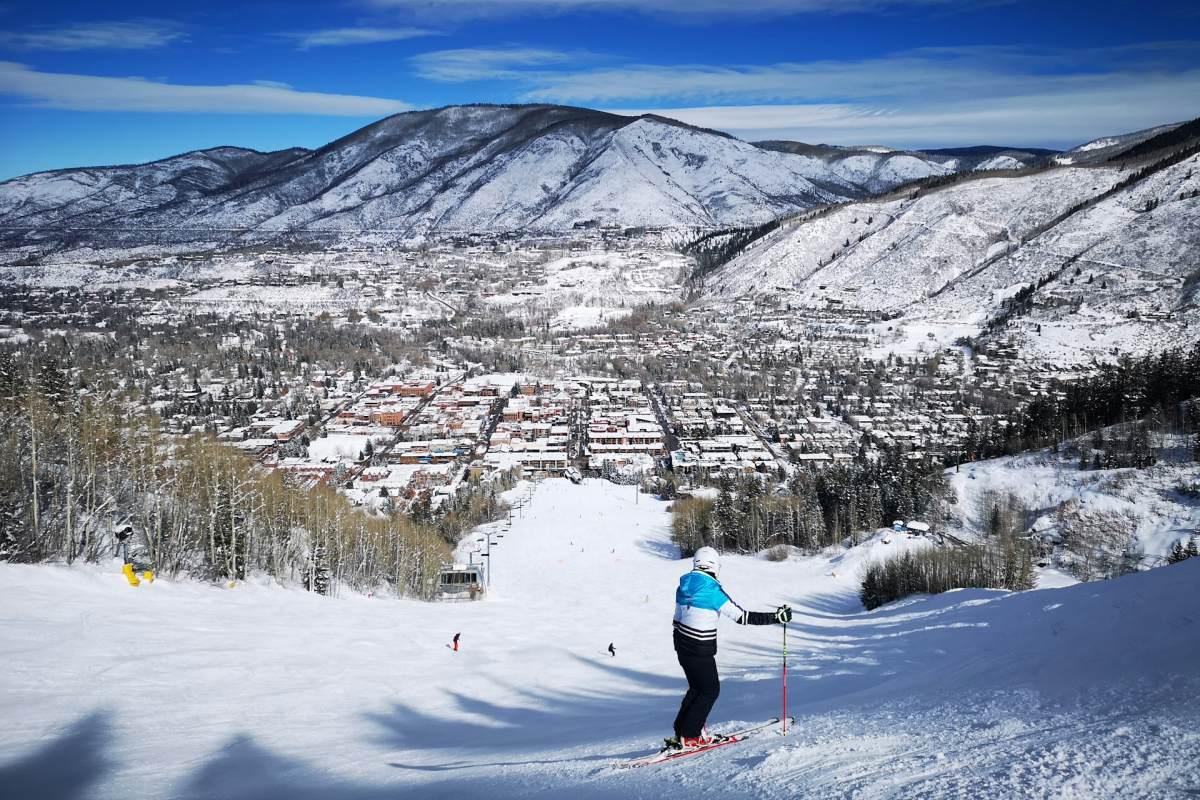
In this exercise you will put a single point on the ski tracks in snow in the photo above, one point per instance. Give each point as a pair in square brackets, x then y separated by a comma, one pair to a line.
[998, 746]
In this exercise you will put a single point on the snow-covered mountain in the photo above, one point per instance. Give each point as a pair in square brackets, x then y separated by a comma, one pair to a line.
[876, 169]
[882, 168]
[891, 253]
[1106, 147]
[1103, 243]
[986, 158]
[456, 169]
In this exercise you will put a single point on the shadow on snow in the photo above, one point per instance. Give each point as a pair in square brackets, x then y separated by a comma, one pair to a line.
[65, 768]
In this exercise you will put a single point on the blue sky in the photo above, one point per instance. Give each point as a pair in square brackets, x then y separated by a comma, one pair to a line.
[128, 81]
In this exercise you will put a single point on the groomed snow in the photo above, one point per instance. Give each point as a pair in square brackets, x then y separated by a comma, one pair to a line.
[181, 689]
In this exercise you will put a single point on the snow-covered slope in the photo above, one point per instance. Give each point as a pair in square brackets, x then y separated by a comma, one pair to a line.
[1100, 150]
[455, 169]
[892, 253]
[958, 251]
[1138, 276]
[1098, 513]
[80, 195]
[189, 691]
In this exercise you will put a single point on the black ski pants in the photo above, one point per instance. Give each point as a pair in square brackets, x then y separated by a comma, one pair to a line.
[703, 688]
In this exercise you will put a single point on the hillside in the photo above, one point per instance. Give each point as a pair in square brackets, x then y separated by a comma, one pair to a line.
[481, 169]
[1103, 249]
[186, 690]
[1107, 148]
[1085, 520]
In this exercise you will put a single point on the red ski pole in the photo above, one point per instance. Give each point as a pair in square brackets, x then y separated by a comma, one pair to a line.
[785, 716]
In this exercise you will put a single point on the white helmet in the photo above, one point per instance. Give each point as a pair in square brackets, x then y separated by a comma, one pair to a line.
[707, 559]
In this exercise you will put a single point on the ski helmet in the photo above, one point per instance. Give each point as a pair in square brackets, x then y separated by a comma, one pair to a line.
[707, 559]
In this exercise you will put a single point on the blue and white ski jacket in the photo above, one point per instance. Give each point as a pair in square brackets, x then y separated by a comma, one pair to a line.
[700, 601]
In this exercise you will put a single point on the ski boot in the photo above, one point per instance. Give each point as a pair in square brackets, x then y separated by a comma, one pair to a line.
[703, 740]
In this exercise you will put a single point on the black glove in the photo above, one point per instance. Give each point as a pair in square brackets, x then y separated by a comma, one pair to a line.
[783, 615]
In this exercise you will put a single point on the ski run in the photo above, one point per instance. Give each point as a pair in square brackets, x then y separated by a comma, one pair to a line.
[179, 689]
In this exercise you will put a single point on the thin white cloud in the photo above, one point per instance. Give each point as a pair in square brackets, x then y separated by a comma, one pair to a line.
[487, 63]
[137, 35]
[966, 73]
[1057, 119]
[951, 95]
[915, 75]
[341, 37]
[96, 93]
[683, 8]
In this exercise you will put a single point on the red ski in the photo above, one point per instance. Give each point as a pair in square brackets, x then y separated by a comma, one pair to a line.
[733, 737]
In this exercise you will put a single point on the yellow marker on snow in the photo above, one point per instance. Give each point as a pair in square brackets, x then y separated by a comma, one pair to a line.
[148, 576]
[129, 575]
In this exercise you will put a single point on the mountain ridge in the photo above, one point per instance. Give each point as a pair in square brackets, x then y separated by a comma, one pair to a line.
[492, 169]
[476, 168]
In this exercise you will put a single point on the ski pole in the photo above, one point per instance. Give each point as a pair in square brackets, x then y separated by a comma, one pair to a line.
[784, 717]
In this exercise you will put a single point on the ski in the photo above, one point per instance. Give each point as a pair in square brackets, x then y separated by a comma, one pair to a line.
[732, 737]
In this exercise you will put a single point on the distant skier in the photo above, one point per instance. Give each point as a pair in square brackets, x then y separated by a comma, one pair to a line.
[456, 641]
[612, 651]
[133, 557]
[699, 603]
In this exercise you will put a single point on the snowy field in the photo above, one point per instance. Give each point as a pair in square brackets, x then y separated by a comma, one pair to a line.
[586, 289]
[185, 690]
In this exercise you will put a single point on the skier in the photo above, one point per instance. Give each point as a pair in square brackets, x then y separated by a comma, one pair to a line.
[456, 641]
[699, 603]
[133, 558]
[612, 650]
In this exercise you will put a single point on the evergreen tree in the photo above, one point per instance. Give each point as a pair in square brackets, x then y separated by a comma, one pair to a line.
[12, 382]
[1140, 449]
[668, 491]
[1193, 550]
[995, 520]
[750, 494]
[726, 518]
[422, 507]
[1178, 553]
[53, 384]
[316, 577]
[750, 510]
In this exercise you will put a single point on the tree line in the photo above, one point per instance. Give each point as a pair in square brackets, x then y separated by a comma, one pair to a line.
[713, 250]
[812, 510]
[1003, 564]
[1158, 390]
